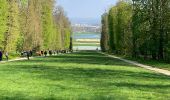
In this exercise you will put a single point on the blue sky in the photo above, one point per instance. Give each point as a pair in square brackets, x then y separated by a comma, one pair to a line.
[85, 8]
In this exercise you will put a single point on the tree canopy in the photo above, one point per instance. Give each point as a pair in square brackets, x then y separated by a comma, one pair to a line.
[139, 28]
[33, 25]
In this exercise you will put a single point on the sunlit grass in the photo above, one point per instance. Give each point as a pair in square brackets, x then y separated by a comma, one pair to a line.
[83, 75]
[154, 63]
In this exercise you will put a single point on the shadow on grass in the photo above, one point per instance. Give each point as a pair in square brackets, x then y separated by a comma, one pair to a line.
[23, 96]
[93, 78]
[60, 73]
[101, 79]
[83, 58]
[86, 57]
[140, 86]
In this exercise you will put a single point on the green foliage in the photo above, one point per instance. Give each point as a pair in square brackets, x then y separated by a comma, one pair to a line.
[3, 21]
[47, 20]
[140, 28]
[104, 34]
[64, 28]
[119, 17]
[31, 25]
[112, 22]
[67, 39]
[13, 32]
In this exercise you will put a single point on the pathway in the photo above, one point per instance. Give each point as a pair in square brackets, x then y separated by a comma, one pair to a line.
[17, 59]
[157, 70]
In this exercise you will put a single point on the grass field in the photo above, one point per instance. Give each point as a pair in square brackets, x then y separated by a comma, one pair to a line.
[80, 76]
[153, 63]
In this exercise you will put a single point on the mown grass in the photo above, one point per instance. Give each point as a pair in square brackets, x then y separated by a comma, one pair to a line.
[154, 63]
[80, 76]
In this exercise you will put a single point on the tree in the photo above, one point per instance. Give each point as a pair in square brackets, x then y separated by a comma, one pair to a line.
[140, 28]
[3, 21]
[47, 22]
[118, 24]
[33, 25]
[12, 33]
[63, 24]
[104, 34]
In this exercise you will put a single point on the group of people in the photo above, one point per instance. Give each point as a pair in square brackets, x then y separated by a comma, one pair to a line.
[52, 52]
[30, 53]
[3, 53]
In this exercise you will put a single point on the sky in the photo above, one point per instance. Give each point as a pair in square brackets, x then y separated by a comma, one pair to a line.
[89, 9]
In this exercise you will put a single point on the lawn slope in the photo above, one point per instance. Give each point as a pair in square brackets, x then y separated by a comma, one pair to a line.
[84, 75]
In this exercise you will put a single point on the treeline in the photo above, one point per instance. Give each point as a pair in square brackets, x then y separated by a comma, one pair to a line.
[33, 25]
[138, 28]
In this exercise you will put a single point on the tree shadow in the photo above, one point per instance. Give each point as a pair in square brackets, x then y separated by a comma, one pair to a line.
[13, 96]
[85, 57]
[93, 78]
[140, 86]
[18, 95]
[60, 73]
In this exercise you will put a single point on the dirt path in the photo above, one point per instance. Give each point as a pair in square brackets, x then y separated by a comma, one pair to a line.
[17, 59]
[157, 70]
[24, 58]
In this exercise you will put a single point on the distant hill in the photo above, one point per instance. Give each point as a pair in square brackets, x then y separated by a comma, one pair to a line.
[90, 21]
[80, 28]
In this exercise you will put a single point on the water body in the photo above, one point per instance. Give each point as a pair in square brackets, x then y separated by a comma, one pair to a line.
[86, 47]
[86, 36]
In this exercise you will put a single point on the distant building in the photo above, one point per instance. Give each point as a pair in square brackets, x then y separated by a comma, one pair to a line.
[86, 28]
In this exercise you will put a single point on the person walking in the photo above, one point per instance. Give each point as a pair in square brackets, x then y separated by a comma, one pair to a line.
[31, 53]
[50, 53]
[42, 53]
[45, 53]
[7, 56]
[1, 54]
[28, 55]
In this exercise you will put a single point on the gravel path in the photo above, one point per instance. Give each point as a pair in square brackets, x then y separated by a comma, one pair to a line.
[157, 70]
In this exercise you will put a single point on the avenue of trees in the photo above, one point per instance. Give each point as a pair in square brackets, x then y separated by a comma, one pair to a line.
[138, 28]
[33, 25]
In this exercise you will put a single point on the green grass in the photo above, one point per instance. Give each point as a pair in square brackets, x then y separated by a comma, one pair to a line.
[80, 76]
[153, 63]
[12, 55]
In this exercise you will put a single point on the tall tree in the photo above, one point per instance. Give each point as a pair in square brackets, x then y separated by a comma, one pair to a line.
[104, 33]
[63, 24]
[3, 21]
[140, 28]
[33, 25]
[47, 21]
[12, 33]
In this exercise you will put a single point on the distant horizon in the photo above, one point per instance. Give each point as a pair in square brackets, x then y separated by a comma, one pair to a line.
[91, 21]
[86, 9]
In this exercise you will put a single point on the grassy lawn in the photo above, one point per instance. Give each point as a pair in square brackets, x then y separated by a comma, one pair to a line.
[80, 76]
[154, 63]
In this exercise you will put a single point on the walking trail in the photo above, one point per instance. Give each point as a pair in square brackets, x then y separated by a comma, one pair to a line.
[20, 59]
[157, 70]
[17, 59]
